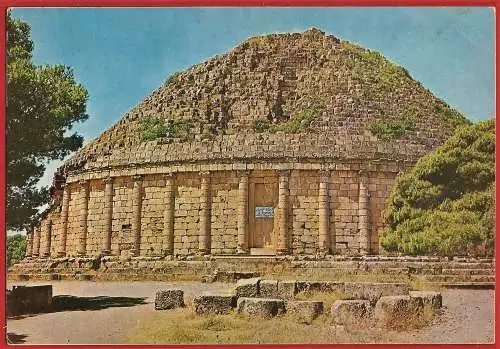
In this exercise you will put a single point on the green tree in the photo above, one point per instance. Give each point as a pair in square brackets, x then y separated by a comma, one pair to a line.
[16, 248]
[444, 205]
[43, 103]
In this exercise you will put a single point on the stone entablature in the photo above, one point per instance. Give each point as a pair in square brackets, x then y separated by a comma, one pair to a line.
[159, 212]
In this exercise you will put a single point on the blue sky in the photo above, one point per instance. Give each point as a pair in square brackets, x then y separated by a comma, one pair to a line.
[122, 55]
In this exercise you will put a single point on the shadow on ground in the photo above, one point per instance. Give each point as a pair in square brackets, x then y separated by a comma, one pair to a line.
[14, 338]
[71, 303]
[67, 302]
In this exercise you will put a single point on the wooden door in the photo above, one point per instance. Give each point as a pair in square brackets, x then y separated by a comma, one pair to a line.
[263, 208]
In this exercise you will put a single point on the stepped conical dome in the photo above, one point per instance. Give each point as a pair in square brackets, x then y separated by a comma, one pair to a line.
[270, 93]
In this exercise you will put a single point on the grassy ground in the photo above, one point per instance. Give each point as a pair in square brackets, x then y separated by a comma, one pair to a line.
[183, 326]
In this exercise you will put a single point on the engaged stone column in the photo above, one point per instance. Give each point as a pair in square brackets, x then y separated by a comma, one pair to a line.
[82, 218]
[284, 176]
[242, 211]
[108, 215]
[64, 221]
[136, 214]
[324, 212]
[47, 233]
[204, 240]
[168, 214]
[364, 215]
[36, 241]
[29, 243]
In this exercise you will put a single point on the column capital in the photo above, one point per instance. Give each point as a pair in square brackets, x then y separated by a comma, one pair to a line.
[137, 178]
[109, 180]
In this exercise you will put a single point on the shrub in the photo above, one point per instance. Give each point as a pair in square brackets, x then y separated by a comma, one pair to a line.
[152, 128]
[391, 129]
[300, 122]
[260, 125]
[444, 205]
[16, 248]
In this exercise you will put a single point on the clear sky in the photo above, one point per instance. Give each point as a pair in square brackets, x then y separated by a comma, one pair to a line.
[122, 55]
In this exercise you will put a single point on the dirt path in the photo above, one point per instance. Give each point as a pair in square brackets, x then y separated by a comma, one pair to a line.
[468, 315]
[109, 324]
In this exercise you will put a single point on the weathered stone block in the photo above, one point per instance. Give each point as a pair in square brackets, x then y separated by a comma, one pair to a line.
[373, 291]
[169, 299]
[320, 286]
[265, 308]
[390, 311]
[214, 303]
[29, 300]
[306, 311]
[247, 287]
[287, 289]
[347, 312]
[430, 299]
[268, 288]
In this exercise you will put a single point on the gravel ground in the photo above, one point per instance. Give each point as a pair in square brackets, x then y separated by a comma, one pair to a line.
[468, 315]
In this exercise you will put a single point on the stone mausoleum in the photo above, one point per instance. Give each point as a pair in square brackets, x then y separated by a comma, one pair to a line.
[287, 144]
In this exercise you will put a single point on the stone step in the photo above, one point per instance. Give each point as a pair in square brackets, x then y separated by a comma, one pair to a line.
[455, 278]
[468, 271]
[469, 285]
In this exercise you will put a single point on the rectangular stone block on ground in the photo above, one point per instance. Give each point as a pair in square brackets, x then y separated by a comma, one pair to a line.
[169, 299]
[372, 291]
[306, 311]
[214, 303]
[287, 289]
[346, 312]
[268, 288]
[247, 287]
[264, 308]
[396, 311]
[430, 299]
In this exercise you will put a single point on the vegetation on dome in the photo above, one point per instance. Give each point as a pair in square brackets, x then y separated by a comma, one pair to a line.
[444, 205]
[392, 129]
[301, 122]
[152, 128]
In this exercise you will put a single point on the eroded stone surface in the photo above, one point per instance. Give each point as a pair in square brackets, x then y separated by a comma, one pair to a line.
[265, 308]
[347, 312]
[169, 299]
[430, 299]
[372, 291]
[268, 288]
[214, 303]
[247, 287]
[287, 289]
[390, 311]
[305, 311]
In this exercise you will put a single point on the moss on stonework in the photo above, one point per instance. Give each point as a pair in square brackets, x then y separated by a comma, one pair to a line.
[391, 129]
[152, 128]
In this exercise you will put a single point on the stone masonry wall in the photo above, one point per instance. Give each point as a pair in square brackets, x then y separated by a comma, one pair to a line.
[186, 213]
[303, 212]
[224, 227]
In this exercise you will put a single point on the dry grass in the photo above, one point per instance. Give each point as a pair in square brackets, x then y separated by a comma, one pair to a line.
[328, 298]
[181, 326]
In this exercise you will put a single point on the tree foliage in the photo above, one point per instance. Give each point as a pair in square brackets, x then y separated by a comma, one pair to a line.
[445, 203]
[16, 248]
[43, 103]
